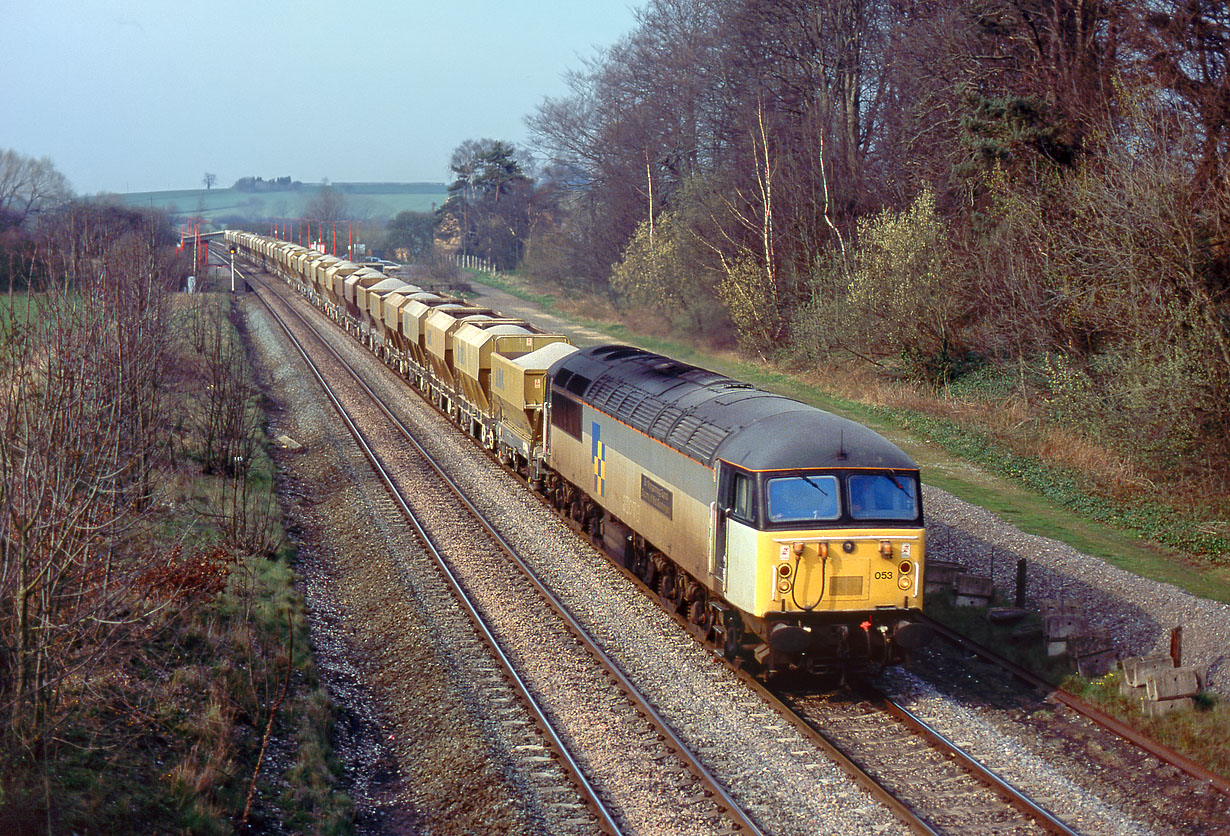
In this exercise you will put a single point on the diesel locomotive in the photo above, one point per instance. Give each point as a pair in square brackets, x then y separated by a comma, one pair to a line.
[784, 534]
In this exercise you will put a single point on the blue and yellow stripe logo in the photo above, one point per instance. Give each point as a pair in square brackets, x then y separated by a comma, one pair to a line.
[598, 450]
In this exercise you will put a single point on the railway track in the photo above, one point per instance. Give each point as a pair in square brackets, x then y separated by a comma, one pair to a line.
[945, 789]
[562, 687]
[1090, 712]
[929, 782]
[923, 789]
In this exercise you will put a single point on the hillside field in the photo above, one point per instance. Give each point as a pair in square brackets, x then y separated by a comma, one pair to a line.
[364, 201]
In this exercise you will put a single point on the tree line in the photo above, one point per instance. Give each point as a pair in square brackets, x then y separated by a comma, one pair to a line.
[929, 188]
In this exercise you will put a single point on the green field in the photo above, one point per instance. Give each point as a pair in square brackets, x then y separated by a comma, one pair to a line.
[364, 201]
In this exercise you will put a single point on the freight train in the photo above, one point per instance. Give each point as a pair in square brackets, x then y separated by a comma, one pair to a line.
[787, 536]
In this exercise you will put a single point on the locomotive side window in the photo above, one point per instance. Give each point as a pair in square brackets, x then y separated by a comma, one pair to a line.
[741, 496]
[875, 496]
[803, 498]
[566, 414]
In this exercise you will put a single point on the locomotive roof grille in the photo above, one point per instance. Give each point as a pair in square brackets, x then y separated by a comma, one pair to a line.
[627, 405]
[664, 422]
[647, 411]
[601, 392]
[705, 441]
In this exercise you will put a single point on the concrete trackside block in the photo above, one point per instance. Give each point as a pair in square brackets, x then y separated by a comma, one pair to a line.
[1134, 693]
[288, 443]
[1172, 684]
[941, 575]
[1063, 627]
[1164, 707]
[1006, 615]
[1138, 669]
[1057, 606]
[1094, 654]
[973, 591]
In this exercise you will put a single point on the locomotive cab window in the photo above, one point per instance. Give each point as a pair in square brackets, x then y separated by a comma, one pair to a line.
[742, 504]
[883, 496]
[802, 498]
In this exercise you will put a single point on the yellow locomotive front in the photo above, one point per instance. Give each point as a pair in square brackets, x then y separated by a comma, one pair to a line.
[827, 564]
[788, 532]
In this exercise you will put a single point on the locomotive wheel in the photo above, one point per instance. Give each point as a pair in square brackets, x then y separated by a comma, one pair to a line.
[666, 588]
[733, 626]
[700, 614]
[679, 596]
[649, 573]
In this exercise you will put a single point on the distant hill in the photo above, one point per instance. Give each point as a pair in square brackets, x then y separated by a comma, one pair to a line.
[364, 201]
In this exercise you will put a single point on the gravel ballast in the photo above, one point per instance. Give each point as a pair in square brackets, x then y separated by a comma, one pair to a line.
[1138, 613]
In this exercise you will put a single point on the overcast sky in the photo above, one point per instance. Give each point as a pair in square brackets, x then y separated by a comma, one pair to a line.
[141, 95]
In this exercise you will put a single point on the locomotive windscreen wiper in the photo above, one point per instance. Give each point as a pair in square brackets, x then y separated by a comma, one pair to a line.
[892, 474]
[808, 480]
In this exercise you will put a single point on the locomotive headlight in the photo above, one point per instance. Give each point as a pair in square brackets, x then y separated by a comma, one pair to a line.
[886, 549]
[905, 567]
[783, 577]
[903, 581]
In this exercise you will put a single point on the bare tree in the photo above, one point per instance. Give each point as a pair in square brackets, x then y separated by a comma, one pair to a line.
[1187, 44]
[328, 205]
[209, 179]
[28, 184]
[79, 393]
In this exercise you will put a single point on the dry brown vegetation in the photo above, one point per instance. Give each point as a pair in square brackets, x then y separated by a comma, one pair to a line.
[147, 617]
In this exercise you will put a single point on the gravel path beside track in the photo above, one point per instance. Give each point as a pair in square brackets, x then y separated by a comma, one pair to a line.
[1137, 612]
